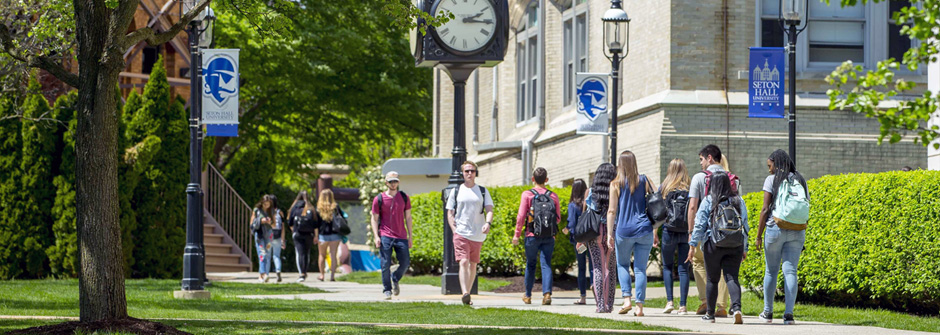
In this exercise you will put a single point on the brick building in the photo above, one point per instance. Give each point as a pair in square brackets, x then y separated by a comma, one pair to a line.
[684, 85]
[140, 58]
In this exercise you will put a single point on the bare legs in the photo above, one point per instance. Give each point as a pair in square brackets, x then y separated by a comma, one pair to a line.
[332, 247]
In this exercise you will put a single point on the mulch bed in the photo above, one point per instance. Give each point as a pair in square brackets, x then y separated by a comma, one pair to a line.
[127, 325]
[517, 284]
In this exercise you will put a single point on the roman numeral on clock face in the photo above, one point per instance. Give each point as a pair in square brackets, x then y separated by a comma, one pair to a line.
[445, 31]
[484, 32]
[453, 39]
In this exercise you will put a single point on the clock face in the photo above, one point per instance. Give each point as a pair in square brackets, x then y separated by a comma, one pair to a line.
[473, 25]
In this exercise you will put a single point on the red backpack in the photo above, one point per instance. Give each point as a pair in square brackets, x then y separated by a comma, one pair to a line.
[734, 181]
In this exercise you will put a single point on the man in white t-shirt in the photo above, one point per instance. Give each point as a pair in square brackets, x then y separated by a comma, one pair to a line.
[465, 215]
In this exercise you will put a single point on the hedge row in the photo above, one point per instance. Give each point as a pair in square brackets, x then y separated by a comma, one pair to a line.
[499, 256]
[873, 240]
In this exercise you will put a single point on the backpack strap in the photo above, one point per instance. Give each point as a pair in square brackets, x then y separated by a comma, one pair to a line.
[483, 197]
[380, 204]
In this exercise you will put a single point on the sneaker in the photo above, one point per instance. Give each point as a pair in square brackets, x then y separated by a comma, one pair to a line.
[527, 300]
[721, 313]
[788, 319]
[301, 279]
[265, 279]
[395, 288]
[388, 295]
[701, 309]
[547, 299]
[278, 277]
[682, 311]
[738, 318]
[669, 308]
[708, 318]
[767, 317]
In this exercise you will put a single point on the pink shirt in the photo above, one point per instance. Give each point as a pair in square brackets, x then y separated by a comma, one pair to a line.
[392, 215]
[525, 204]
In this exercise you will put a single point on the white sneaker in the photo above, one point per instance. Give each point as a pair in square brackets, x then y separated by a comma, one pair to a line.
[388, 295]
[301, 279]
[669, 308]
[682, 311]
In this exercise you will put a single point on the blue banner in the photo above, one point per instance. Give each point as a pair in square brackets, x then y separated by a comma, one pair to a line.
[765, 88]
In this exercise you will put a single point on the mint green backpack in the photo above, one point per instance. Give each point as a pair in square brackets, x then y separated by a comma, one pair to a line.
[791, 208]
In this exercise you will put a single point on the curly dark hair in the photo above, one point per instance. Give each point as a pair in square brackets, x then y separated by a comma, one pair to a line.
[600, 188]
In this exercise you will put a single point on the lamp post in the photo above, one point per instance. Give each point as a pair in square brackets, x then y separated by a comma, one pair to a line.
[194, 262]
[791, 13]
[616, 38]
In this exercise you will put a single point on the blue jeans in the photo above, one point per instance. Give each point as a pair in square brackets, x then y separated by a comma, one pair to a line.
[533, 245]
[400, 246]
[263, 247]
[782, 245]
[639, 248]
[676, 242]
[584, 278]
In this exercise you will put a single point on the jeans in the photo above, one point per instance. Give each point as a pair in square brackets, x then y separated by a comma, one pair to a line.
[639, 248]
[726, 261]
[782, 245]
[673, 242]
[302, 244]
[400, 246]
[584, 278]
[263, 247]
[276, 253]
[534, 245]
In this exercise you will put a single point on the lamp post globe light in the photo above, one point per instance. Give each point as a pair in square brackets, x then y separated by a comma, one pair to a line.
[194, 263]
[617, 45]
[792, 12]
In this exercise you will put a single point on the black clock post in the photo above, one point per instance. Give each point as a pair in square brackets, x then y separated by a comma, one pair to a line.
[482, 28]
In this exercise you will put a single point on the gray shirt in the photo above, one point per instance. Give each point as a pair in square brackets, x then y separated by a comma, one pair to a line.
[697, 187]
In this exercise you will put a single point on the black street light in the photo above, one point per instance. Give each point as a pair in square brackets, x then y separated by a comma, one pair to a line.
[194, 261]
[791, 13]
[616, 38]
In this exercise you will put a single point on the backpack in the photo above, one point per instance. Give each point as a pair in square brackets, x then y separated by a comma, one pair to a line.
[306, 221]
[727, 226]
[791, 208]
[403, 195]
[544, 217]
[482, 196]
[656, 208]
[677, 207]
[708, 178]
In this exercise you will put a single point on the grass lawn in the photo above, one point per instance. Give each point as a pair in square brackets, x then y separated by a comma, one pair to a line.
[483, 284]
[152, 299]
[752, 305]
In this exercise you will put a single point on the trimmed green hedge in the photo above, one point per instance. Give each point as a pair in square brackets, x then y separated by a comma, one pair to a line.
[499, 256]
[873, 240]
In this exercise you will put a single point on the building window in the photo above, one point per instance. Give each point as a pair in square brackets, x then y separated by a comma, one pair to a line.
[897, 44]
[575, 47]
[150, 55]
[771, 29]
[527, 59]
[836, 34]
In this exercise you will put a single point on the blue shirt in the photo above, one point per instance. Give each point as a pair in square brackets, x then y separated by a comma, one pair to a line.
[574, 212]
[631, 211]
[702, 222]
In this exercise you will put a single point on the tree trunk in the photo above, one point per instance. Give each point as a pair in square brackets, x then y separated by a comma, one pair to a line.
[101, 278]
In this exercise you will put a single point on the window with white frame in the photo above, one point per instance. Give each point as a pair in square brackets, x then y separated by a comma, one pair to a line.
[575, 46]
[836, 34]
[527, 64]
[897, 44]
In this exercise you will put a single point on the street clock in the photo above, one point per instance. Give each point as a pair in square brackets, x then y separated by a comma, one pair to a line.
[477, 33]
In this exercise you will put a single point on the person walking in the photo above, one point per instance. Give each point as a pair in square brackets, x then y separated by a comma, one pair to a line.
[575, 208]
[675, 240]
[784, 240]
[304, 224]
[634, 231]
[604, 274]
[391, 228]
[721, 232]
[466, 205]
[263, 218]
[278, 238]
[329, 239]
[539, 213]
[712, 161]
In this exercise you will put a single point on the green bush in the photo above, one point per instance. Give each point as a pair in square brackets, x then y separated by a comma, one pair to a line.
[499, 256]
[873, 240]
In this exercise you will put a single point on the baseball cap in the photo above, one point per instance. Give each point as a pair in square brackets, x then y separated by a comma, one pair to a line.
[391, 176]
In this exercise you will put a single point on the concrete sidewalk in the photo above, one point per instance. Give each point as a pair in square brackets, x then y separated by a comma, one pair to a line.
[562, 303]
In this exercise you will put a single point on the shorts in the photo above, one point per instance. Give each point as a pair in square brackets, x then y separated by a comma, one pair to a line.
[467, 249]
[330, 237]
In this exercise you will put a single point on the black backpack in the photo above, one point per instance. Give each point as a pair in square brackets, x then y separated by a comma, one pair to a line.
[727, 226]
[677, 207]
[544, 218]
[482, 196]
[305, 221]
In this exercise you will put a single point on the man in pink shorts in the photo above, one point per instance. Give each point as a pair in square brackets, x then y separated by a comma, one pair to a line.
[466, 206]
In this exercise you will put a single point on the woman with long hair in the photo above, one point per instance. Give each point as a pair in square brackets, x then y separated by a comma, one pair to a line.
[263, 218]
[782, 244]
[575, 208]
[634, 231]
[673, 241]
[329, 239]
[604, 273]
[278, 237]
[720, 260]
[304, 224]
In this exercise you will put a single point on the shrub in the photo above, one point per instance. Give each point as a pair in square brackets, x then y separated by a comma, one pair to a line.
[873, 240]
[498, 256]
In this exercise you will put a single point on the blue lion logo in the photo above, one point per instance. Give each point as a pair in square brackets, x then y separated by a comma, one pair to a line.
[220, 79]
[591, 95]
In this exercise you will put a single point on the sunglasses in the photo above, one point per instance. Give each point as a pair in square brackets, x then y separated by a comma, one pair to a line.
[466, 171]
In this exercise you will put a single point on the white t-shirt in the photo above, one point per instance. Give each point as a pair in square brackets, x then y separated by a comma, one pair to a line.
[468, 219]
[769, 188]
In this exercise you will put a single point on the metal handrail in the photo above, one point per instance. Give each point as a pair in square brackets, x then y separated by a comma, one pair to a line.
[228, 208]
